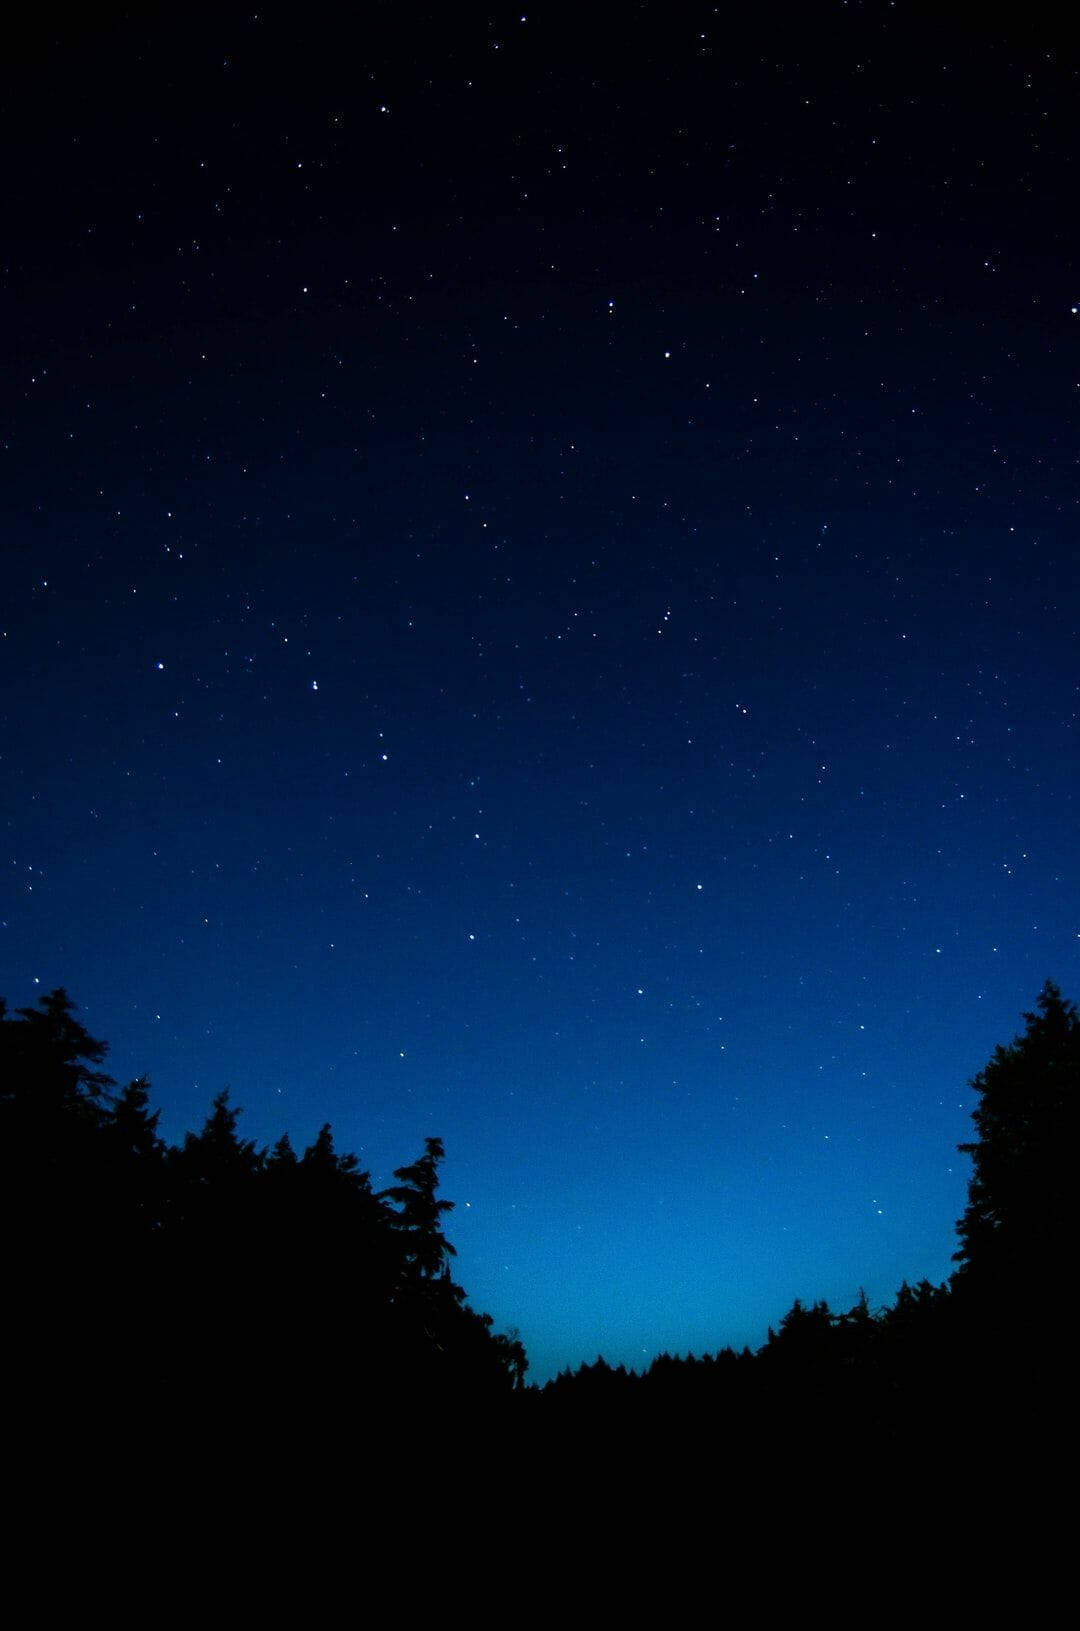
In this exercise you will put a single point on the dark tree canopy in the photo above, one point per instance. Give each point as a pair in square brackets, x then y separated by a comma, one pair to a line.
[1015, 1227]
[191, 1270]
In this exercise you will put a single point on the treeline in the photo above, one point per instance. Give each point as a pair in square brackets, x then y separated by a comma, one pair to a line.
[149, 1277]
[212, 1277]
[984, 1355]
[889, 1375]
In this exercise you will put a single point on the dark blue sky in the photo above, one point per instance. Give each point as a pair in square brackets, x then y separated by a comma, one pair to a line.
[540, 608]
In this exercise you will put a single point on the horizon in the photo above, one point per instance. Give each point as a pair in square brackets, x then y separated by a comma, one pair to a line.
[623, 1354]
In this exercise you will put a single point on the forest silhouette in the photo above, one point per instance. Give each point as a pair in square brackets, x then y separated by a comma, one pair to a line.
[153, 1278]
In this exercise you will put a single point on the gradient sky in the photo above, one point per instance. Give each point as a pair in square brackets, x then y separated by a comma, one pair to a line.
[539, 607]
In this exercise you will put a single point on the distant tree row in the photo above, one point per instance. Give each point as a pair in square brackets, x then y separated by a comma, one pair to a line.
[990, 1341]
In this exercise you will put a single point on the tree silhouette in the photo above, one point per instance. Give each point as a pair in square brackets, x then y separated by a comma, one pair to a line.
[51, 1106]
[512, 1356]
[180, 1273]
[420, 1212]
[142, 1274]
[1014, 1234]
[804, 1338]
[54, 1198]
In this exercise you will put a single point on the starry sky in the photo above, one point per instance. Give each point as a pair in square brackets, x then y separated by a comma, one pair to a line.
[539, 607]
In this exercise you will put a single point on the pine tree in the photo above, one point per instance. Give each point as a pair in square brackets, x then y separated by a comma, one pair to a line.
[420, 1212]
[1014, 1231]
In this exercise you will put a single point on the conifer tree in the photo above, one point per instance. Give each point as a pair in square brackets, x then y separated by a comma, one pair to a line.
[420, 1212]
[1014, 1231]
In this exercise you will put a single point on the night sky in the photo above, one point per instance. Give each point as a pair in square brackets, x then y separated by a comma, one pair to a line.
[539, 608]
